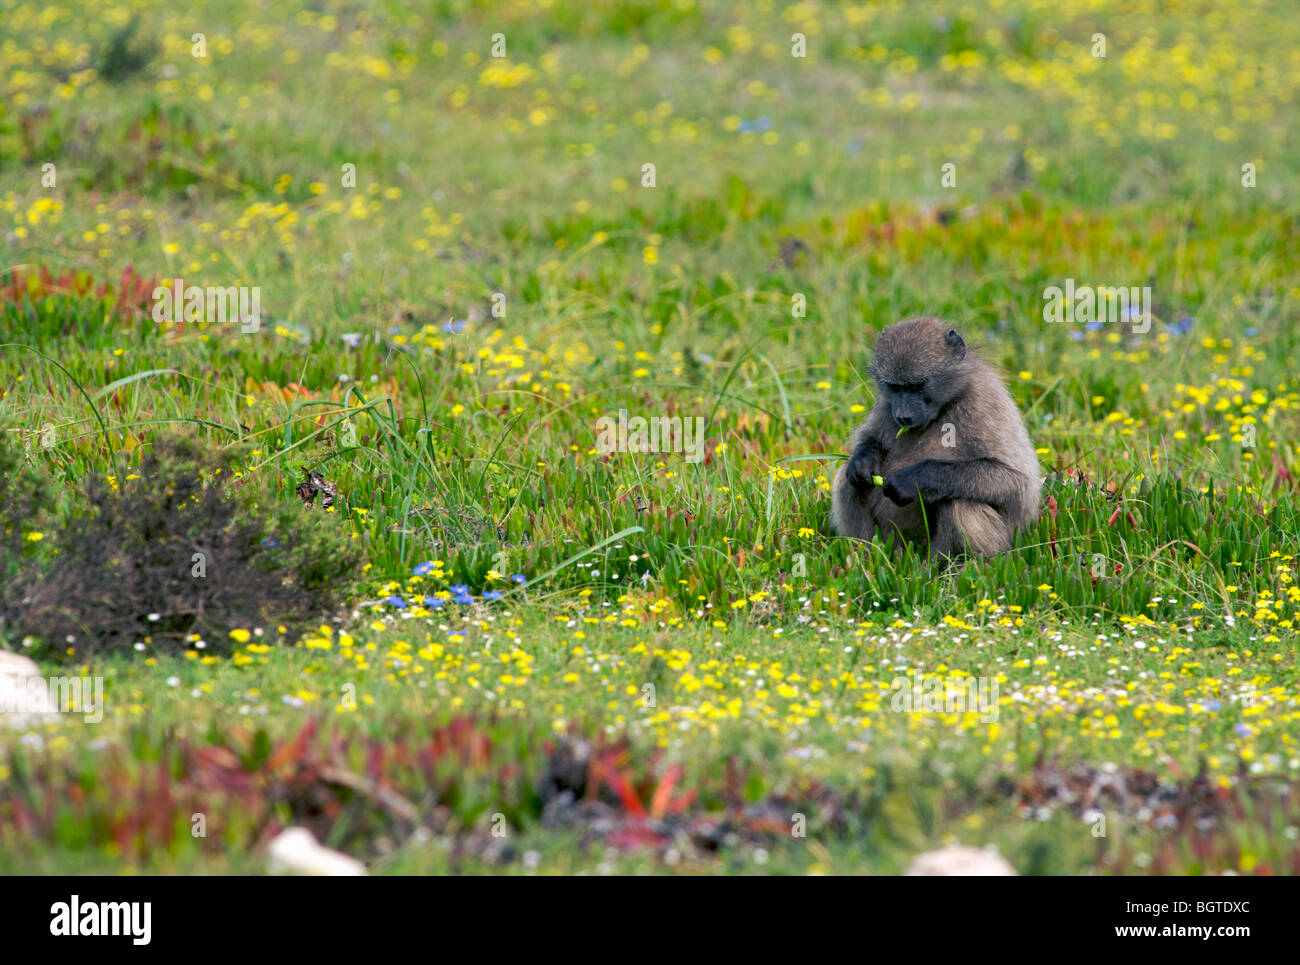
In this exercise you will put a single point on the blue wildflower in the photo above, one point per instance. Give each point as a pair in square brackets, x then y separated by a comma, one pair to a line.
[424, 568]
[493, 595]
[396, 601]
[519, 578]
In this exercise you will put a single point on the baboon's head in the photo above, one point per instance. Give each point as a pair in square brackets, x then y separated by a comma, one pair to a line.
[920, 367]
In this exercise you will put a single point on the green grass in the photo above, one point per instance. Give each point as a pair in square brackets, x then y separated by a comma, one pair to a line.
[1145, 625]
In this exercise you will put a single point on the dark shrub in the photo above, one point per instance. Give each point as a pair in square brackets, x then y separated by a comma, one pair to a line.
[126, 55]
[181, 548]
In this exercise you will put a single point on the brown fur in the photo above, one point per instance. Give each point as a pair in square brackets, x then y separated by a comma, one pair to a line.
[966, 453]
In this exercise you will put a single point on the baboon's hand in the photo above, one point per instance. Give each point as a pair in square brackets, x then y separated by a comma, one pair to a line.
[901, 487]
[864, 464]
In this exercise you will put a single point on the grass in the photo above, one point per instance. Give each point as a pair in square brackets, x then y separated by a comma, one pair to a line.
[440, 340]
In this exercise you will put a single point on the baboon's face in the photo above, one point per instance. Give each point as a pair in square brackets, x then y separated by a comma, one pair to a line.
[918, 369]
[911, 404]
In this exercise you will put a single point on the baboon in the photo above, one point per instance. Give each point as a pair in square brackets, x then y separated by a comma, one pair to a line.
[957, 472]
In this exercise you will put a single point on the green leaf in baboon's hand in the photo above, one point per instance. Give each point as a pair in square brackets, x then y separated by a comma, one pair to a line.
[878, 480]
[900, 432]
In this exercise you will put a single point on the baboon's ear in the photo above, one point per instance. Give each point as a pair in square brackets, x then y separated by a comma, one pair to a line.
[955, 344]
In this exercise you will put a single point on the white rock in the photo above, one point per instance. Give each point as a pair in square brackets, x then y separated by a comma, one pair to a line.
[296, 852]
[24, 693]
[958, 859]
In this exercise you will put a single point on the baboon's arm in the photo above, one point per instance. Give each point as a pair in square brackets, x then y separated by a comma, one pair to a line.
[864, 463]
[868, 452]
[976, 480]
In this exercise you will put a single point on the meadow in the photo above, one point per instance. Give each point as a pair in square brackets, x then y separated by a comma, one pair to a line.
[477, 229]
